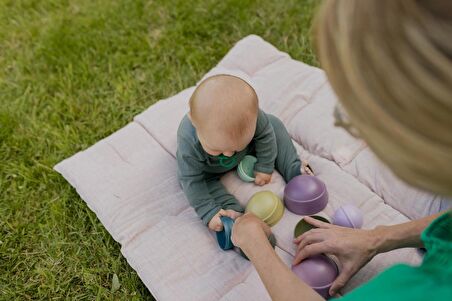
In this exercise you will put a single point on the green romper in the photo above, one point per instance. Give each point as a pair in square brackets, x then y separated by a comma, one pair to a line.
[199, 173]
[431, 281]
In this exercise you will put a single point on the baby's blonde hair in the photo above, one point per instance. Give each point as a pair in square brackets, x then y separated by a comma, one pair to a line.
[226, 104]
[390, 63]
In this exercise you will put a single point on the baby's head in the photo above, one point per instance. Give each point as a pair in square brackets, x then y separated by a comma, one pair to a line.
[224, 109]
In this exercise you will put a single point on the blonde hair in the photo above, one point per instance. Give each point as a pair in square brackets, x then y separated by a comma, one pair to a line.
[226, 104]
[390, 63]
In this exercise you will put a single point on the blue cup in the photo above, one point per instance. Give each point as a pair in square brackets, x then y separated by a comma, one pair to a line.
[224, 237]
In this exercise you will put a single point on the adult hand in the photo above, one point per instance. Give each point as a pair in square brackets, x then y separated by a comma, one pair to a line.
[353, 248]
[262, 178]
[247, 227]
[215, 223]
[251, 235]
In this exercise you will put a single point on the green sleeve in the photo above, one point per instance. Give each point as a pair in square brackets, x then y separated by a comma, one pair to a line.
[265, 143]
[205, 195]
[405, 283]
[195, 188]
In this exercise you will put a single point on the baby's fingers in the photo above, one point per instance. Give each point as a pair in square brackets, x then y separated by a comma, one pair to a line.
[216, 226]
[232, 214]
[215, 223]
[259, 181]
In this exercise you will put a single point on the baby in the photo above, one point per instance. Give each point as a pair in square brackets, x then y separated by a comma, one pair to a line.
[225, 124]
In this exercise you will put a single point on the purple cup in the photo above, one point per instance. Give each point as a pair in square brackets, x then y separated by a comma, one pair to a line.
[305, 195]
[318, 272]
[348, 216]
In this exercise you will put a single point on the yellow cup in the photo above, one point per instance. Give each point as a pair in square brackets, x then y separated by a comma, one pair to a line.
[267, 206]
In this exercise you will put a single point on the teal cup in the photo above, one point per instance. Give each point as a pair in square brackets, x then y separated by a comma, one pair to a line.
[245, 169]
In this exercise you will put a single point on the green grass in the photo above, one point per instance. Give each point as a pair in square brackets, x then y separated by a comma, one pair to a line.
[73, 72]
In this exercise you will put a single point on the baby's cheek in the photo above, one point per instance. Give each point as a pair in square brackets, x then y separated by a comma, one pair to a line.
[212, 153]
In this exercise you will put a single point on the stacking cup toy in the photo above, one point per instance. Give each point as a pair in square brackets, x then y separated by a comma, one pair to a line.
[318, 272]
[303, 226]
[224, 237]
[267, 206]
[245, 169]
[305, 195]
[348, 216]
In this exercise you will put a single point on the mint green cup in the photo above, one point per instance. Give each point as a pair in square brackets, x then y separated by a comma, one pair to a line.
[245, 169]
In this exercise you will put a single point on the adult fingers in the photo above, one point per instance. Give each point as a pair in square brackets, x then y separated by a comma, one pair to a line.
[308, 234]
[244, 218]
[317, 223]
[321, 227]
[310, 250]
[340, 281]
[310, 238]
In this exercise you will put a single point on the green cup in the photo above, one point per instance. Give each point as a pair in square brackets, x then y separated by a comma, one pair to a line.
[303, 226]
[245, 169]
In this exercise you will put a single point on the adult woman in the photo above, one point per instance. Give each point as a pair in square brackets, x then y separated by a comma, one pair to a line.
[390, 63]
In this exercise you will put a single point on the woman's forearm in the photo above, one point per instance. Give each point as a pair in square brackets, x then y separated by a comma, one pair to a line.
[402, 235]
[279, 280]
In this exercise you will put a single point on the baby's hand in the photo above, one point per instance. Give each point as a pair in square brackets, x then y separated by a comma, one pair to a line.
[232, 214]
[215, 223]
[262, 178]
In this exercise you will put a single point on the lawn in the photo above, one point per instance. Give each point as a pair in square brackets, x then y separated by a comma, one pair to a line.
[73, 72]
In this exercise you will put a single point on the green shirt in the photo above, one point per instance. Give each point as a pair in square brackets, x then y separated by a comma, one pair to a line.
[431, 281]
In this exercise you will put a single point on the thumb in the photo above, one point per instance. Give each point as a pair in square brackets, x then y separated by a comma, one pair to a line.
[340, 282]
